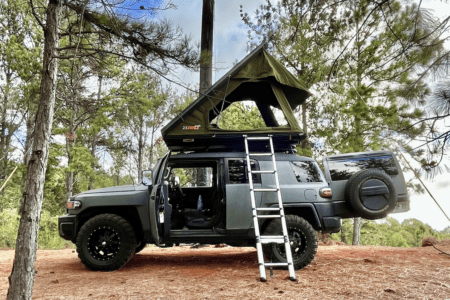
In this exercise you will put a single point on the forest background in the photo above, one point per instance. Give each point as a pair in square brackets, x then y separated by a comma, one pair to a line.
[385, 69]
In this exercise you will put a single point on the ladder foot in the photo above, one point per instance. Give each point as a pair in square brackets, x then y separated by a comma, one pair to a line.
[292, 279]
[263, 279]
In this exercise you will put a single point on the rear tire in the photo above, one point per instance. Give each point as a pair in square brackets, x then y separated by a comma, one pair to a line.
[302, 237]
[106, 242]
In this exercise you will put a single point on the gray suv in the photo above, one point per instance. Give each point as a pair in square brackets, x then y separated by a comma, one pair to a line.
[204, 198]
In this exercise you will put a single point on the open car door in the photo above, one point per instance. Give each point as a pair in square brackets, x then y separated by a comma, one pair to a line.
[160, 210]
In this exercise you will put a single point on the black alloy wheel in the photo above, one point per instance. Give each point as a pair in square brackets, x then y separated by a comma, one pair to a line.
[106, 242]
[302, 238]
[103, 243]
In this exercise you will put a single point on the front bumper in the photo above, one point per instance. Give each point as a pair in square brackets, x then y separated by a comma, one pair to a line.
[67, 227]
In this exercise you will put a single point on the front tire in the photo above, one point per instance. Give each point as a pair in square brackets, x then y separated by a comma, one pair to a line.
[106, 242]
[302, 237]
[140, 247]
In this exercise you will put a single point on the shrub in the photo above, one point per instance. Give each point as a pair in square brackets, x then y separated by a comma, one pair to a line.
[48, 231]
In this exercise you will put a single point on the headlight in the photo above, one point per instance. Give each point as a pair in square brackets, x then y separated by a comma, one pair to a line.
[73, 204]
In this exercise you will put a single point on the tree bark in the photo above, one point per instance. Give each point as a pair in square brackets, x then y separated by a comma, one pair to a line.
[95, 138]
[140, 148]
[4, 145]
[356, 231]
[206, 45]
[22, 274]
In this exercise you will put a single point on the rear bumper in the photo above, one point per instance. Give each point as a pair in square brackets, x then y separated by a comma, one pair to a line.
[67, 227]
[331, 224]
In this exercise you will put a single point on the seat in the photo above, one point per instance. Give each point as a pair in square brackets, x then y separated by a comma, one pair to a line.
[195, 219]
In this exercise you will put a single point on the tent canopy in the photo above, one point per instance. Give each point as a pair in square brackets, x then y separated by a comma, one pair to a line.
[258, 77]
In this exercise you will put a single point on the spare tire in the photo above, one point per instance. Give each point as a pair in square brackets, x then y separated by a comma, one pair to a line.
[371, 193]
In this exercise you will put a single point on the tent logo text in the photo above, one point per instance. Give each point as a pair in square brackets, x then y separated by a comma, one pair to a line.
[194, 127]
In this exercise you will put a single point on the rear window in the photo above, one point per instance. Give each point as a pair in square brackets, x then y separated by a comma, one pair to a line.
[307, 171]
[343, 169]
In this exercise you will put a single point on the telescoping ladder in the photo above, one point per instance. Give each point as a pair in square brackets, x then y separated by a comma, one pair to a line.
[264, 239]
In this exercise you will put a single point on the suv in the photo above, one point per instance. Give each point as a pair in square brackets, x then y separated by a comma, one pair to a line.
[204, 198]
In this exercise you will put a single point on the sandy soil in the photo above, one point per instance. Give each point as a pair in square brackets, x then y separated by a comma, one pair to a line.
[338, 272]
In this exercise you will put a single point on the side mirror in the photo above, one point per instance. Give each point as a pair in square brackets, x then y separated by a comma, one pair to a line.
[147, 177]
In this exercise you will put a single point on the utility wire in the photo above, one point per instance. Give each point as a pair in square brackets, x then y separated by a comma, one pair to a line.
[425, 187]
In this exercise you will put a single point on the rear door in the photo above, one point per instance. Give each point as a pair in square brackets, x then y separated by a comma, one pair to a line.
[339, 168]
[238, 205]
[158, 201]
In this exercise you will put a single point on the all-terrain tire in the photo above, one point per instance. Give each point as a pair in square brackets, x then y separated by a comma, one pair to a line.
[106, 242]
[375, 204]
[140, 247]
[302, 237]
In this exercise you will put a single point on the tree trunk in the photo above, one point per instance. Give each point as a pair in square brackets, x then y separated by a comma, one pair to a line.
[95, 138]
[304, 143]
[206, 45]
[356, 231]
[29, 138]
[140, 149]
[4, 145]
[22, 274]
[70, 143]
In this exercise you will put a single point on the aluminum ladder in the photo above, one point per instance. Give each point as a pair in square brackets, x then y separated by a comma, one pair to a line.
[262, 239]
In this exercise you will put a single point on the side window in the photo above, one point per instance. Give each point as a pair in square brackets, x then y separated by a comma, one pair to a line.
[307, 171]
[238, 172]
[343, 169]
[194, 177]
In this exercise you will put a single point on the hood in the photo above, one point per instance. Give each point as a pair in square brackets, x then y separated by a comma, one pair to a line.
[113, 189]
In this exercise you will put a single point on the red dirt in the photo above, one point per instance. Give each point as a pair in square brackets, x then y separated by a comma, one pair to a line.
[342, 272]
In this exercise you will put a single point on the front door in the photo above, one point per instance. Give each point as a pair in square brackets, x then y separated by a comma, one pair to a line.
[159, 212]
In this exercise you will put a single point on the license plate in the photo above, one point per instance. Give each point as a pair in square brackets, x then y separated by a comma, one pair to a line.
[401, 207]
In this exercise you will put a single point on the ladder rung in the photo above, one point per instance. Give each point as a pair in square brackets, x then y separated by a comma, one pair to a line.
[265, 190]
[260, 154]
[272, 237]
[275, 264]
[258, 138]
[269, 241]
[269, 216]
[264, 172]
[269, 208]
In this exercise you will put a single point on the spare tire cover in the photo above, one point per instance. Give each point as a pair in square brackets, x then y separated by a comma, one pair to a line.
[371, 193]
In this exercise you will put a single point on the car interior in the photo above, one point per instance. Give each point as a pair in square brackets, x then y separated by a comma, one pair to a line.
[195, 195]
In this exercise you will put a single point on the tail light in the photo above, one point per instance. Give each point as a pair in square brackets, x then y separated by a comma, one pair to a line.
[325, 193]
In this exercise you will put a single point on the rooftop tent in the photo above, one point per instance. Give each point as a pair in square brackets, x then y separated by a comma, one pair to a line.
[258, 77]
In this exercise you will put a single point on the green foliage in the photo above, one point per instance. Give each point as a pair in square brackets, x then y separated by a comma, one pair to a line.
[48, 230]
[389, 232]
[240, 116]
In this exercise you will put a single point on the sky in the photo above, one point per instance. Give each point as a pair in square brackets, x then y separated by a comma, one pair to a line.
[230, 45]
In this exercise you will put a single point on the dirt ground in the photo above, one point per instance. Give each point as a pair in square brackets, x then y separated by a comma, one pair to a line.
[338, 272]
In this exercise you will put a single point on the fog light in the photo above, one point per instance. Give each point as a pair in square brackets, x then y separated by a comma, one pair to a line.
[73, 204]
[325, 193]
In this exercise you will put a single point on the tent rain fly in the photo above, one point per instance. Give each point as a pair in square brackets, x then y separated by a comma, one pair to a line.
[258, 77]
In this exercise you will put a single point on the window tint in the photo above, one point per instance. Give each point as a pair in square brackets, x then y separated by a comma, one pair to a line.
[306, 171]
[343, 169]
[195, 177]
[237, 171]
